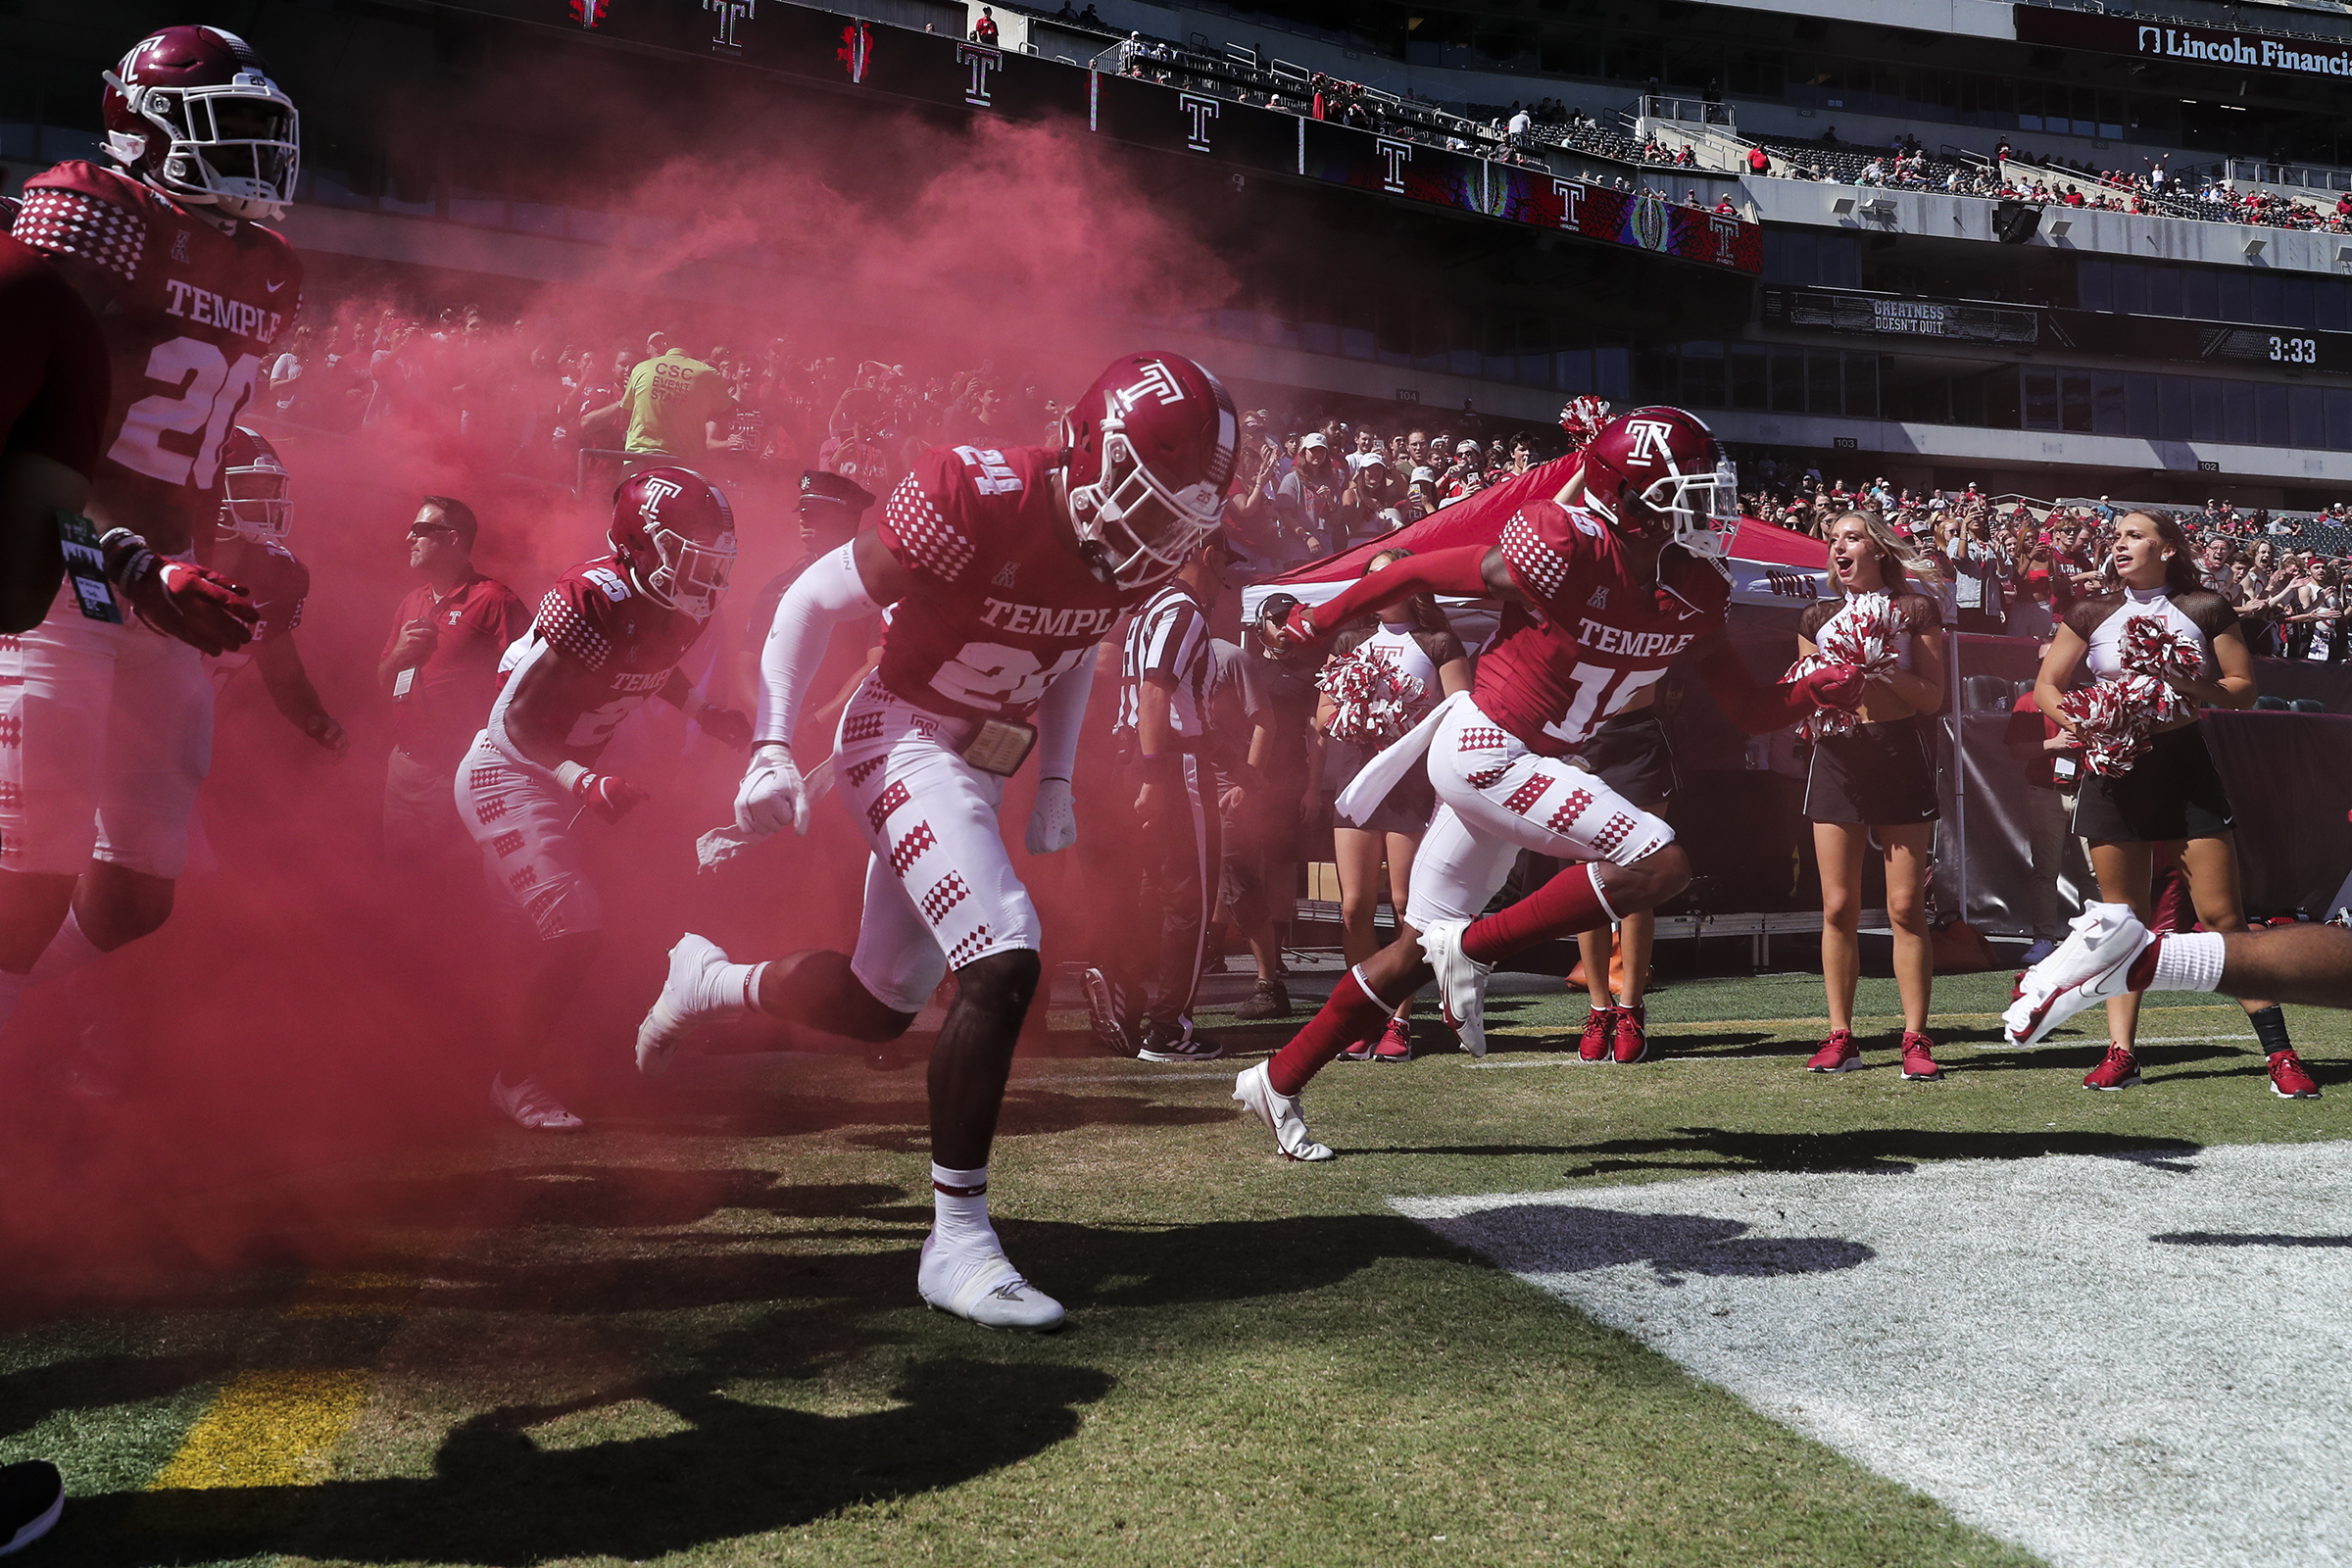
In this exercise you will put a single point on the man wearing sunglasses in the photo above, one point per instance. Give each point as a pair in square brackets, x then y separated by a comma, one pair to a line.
[440, 669]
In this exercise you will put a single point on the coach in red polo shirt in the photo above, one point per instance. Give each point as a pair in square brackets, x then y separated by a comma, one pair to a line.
[440, 669]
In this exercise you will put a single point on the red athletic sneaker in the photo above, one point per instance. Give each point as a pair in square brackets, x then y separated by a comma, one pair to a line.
[1918, 1065]
[2120, 1069]
[1360, 1051]
[1395, 1042]
[1601, 1028]
[1837, 1053]
[2289, 1080]
[1633, 1033]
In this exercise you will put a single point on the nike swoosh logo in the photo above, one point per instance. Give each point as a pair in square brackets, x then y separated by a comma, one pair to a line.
[274, 288]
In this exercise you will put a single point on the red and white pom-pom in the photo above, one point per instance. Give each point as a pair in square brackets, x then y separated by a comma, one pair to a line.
[1371, 702]
[2114, 719]
[2156, 650]
[1583, 419]
[1862, 635]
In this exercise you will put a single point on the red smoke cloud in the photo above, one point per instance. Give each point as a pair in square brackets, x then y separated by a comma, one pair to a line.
[290, 1021]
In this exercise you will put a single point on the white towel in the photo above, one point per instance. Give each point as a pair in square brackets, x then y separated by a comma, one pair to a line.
[723, 843]
[1381, 774]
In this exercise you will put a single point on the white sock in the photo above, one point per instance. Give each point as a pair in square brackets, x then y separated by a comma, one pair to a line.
[735, 989]
[2188, 961]
[960, 1207]
[67, 952]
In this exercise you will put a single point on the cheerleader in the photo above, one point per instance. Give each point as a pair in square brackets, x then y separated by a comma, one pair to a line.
[2150, 781]
[1873, 777]
[1411, 642]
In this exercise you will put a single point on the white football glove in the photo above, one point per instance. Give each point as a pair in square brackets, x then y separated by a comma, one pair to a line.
[772, 797]
[1053, 821]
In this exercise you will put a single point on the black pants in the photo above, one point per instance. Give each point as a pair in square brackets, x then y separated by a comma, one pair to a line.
[1179, 858]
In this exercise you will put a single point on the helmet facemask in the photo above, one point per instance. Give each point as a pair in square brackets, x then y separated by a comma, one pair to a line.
[256, 502]
[1133, 530]
[236, 146]
[1700, 509]
[693, 575]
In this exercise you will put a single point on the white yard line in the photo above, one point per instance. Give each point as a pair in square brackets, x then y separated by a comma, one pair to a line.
[2112, 1363]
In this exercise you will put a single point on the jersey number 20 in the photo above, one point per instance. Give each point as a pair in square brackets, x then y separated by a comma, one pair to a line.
[209, 389]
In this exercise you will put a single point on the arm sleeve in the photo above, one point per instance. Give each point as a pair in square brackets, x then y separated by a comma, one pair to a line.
[1060, 715]
[1460, 571]
[1748, 702]
[828, 593]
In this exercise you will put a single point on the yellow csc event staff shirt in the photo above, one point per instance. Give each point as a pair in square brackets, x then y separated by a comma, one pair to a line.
[670, 401]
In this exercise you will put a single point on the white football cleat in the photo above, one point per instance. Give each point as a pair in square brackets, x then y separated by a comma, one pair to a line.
[685, 1004]
[531, 1106]
[1281, 1113]
[1461, 982]
[979, 1283]
[2093, 964]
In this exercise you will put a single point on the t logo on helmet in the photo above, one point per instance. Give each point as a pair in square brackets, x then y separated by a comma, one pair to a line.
[1158, 383]
[656, 491]
[1648, 441]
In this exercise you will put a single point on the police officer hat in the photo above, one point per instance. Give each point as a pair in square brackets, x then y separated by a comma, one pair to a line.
[818, 485]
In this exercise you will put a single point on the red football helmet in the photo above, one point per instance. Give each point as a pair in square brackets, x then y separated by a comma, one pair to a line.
[255, 491]
[675, 534]
[1148, 454]
[192, 110]
[1662, 466]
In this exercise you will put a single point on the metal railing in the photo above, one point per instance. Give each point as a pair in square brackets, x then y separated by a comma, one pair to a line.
[2260, 171]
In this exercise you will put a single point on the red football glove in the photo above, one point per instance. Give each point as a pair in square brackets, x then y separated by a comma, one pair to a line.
[1840, 686]
[607, 795]
[725, 726]
[1300, 627]
[201, 608]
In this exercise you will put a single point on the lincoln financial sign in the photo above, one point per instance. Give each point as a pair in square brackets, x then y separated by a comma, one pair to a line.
[2216, 46]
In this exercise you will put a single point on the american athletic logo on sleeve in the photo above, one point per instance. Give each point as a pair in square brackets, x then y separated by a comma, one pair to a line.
[928, 538]
[71, 222]
[1544, 567]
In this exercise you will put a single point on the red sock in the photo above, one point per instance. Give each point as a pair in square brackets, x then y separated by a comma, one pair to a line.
[1339, 1023]
[1566, 905]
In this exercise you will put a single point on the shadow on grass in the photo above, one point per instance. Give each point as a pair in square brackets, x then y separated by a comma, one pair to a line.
[29, 1396]
[505, 1490]
[498, 1497]
[1892, 1151]
[1562, 1239]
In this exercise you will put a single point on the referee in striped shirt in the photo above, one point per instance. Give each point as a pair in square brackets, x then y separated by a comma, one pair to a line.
[1141, 997]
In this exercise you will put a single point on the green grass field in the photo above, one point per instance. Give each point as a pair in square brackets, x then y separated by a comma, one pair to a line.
[691, 1335]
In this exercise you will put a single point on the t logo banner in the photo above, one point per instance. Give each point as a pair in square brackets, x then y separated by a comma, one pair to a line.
[979, 59]
[1571, 193]
[1394, 156]
[1197, 113]
[730, 13]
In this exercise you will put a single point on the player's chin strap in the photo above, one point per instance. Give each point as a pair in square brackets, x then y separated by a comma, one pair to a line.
[828, 593]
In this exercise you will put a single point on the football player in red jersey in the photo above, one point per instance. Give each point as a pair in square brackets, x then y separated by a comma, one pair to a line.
[609, 635]
[1002, 571]
[190, 292]
[248, 546]
[1602, 590]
